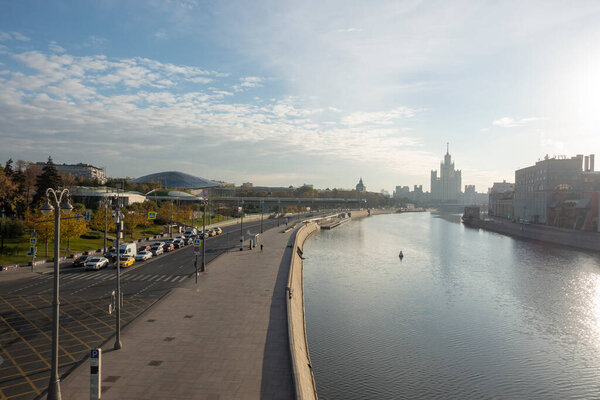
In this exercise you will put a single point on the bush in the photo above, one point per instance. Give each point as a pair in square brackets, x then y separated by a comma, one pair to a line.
[92, 235]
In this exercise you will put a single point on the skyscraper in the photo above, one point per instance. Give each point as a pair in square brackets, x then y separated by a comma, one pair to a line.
[446, 188]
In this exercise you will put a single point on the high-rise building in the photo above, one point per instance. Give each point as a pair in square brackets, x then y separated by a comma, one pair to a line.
[446, 187]
[360, 187]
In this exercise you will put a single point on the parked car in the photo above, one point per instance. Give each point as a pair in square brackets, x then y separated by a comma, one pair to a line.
[188, 240]
[203, 235]
[167, 247]
[96, 263]
[157, 250]
[211, 232]
[218, 230]
[143, 247]
[80, 261]
[179, 243]
[143, 255]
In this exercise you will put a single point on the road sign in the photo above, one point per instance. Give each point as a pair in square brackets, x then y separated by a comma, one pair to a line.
[196, 242]
[32, 240]
[152, 215]
[87, 216]
[34, 234]
[95, 374]
[32, 251]
[196, 250]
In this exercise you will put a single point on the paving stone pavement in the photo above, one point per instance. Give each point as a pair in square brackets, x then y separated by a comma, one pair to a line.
[224, 338]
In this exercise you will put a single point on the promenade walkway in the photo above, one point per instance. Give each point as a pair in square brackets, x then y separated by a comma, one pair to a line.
[224, 338]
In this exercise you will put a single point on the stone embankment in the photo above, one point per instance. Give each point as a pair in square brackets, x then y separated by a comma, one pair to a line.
[543, 233]
[303, 377]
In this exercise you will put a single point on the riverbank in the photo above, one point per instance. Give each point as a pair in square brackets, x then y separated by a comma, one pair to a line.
[304, 381]
[225, 337]
[542, 233]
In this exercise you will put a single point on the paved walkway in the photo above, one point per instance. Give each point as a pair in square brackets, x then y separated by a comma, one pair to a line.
[225, 338]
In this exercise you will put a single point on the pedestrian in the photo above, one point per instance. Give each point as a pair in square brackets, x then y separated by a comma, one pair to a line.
[261, 247]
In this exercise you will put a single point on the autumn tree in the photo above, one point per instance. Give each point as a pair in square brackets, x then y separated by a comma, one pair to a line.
[70, 228]
[9, 229]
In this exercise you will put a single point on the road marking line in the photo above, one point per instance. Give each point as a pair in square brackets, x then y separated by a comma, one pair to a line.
[35, 326]
[87, 313]
[3, 349]
[174, 278]
[182, 278]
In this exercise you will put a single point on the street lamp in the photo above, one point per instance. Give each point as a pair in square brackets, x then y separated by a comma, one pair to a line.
[262, 209]
[242, 227]
[107, 203]
[204, 201]
[65, 206]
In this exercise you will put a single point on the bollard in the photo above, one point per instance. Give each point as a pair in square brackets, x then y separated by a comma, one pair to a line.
[95, 374]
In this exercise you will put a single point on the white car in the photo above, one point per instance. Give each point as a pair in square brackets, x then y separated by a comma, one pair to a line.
[157, 250]
[143, 256]
[96, 263]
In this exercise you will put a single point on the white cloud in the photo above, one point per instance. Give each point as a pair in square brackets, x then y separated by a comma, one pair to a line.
[161, 34]
[249, 82]
[53, 46]
[21, 37]
[378, 117]
[507, 122]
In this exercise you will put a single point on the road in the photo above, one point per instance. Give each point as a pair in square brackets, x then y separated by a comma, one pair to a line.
[26, 310]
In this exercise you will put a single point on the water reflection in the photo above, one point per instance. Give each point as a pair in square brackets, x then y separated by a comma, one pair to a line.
[466, 314]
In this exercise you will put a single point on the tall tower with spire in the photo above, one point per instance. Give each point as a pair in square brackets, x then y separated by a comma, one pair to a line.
[360, 187]
[446, 187]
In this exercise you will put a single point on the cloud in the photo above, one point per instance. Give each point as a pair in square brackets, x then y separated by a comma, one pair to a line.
[161, 34]
[54, 47]
[65, 104]
[248, 82]
[21, 37]
[96, 42]
[349, 30]
[378, 117]
[4, 36]
[507, 122]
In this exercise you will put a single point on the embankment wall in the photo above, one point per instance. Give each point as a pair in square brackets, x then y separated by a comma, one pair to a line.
[303, 377]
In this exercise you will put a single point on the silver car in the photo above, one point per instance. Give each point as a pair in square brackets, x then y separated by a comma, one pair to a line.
[96, 263]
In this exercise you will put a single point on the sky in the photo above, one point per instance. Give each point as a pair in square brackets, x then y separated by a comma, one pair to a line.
[290, 92]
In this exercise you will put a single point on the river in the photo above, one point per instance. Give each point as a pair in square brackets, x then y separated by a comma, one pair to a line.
[466, 314]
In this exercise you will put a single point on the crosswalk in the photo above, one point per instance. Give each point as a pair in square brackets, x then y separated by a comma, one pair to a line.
[111, 275]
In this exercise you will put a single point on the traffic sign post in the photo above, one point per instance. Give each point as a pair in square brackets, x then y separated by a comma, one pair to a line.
[32, 241]
[95, 374]
[196, 242]
[87, 216]
[152, 215]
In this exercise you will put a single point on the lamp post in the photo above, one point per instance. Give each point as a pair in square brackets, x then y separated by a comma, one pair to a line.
[202, 267]
[171, 225]
[262, 209]
[242, 227]
[107, 203]
[59, 205]
[118, 222]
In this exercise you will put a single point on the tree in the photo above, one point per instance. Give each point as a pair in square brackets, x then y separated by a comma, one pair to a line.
[49, 178]
[71, 229]
[101, 216]
[9, 195]
[133, 219]
[9, 229]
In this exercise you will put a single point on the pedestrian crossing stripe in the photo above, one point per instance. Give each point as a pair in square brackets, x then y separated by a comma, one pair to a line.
[112, 275]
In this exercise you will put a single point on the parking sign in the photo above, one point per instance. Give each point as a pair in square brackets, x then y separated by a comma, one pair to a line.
[152, 215]
[196, 242]
[32, 240]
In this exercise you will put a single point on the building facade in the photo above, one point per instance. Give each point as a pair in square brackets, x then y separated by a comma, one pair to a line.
[501, 200]
[446, 187]
[80, 170]
[536, 185]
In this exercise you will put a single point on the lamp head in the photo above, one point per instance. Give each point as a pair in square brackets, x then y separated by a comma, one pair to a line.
[47, 208]
[66, 207]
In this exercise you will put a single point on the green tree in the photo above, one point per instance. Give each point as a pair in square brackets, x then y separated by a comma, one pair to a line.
[49, 178]
[9, 229]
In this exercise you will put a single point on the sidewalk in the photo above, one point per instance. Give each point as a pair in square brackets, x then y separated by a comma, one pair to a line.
[225, 338]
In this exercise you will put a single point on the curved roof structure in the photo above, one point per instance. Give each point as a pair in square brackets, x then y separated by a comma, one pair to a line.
[174, 179]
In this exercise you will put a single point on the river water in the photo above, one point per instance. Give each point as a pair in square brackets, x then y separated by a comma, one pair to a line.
[467, 314]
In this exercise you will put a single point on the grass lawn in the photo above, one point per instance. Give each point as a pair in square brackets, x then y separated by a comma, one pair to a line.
[16, 249]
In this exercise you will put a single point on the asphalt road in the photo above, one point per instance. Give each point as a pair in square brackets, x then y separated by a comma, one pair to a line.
[26, 310]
